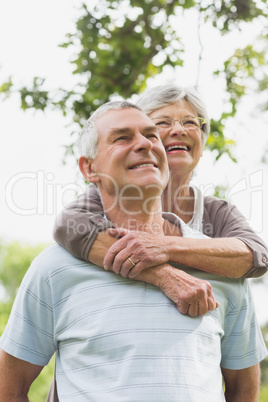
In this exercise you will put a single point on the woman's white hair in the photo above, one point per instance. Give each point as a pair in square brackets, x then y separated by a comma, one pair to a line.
[164, 95]
[88, 140]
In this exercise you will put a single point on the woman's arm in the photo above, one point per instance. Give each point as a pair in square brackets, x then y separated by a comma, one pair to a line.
[224, 257]
[78, 225]
[80, 230]
[223, 220]
[234, 250]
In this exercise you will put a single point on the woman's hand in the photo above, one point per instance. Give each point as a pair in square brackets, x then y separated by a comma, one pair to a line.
[192, 296]
[135, 251]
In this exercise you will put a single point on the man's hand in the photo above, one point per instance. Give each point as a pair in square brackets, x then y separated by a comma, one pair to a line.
[143, 249]
[191, 295]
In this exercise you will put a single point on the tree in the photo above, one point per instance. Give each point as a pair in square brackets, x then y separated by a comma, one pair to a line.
[119, 44]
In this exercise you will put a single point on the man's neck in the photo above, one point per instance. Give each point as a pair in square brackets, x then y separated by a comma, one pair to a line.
[135, 214]
[133, 217]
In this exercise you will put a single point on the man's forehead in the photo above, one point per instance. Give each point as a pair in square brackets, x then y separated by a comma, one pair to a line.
[123, 119]
[120, 113]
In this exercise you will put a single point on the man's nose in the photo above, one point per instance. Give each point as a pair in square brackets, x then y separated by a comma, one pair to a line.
[142, 143]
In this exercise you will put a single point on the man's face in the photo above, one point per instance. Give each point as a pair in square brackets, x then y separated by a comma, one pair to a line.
[130, 153]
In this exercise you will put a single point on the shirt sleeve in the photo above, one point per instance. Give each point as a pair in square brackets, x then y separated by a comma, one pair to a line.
[78, 225]
[222, 219]
[242, 344]
[29, 334]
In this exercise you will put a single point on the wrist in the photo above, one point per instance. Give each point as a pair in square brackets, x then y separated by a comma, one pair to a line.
[169, 246]
[156, 276]
[174, 248]
[161, 275]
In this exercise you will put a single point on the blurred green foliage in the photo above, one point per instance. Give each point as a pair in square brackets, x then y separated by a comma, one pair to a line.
[15, 259]
[118, 44]
[263, 394]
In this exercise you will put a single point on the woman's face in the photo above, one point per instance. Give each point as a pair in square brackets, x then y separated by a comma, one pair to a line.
[183, 145]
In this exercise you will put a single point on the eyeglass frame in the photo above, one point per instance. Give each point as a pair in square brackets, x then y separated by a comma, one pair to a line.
[201, 119]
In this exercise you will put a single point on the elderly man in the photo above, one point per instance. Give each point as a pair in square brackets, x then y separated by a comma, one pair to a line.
[123, 340]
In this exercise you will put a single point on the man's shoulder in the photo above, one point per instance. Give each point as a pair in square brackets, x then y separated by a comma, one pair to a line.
[54, 257]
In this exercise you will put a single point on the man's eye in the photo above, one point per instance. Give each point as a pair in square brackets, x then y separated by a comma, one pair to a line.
[122, 138]
[152, 135]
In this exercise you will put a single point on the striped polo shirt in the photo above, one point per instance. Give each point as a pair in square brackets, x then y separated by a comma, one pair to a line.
[122, 340]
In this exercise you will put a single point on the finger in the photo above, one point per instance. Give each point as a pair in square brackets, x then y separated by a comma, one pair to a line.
[212, 303]
[117, 232]
[203, 307]
[112, 252]
[127, 267]
[119, 261]
[135, 270]
[183, 308]
[193, 309]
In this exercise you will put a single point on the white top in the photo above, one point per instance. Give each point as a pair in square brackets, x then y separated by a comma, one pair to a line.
[122, 340]
[197, 219]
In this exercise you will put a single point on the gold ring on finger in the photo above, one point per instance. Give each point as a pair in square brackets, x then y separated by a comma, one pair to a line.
[130, 260]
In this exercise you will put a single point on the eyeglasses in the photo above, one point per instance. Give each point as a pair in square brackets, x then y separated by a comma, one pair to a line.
[188, 123]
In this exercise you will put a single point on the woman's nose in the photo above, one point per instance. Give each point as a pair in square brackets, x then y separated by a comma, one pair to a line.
[177, 128]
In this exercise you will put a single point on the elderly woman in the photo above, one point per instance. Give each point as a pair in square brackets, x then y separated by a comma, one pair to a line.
[233, 249]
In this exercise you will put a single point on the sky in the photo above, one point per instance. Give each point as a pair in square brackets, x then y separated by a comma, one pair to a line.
[35, 182]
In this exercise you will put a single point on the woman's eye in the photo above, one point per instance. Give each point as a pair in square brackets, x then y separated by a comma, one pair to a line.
[163, 123]
[190, 122]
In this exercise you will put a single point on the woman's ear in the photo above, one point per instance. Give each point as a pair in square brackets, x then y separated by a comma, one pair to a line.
[86, 167]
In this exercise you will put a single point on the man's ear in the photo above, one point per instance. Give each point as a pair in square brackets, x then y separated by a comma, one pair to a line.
[86, 167]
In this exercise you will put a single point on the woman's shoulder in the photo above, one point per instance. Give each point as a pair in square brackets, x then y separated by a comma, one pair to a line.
[211, 202]
[217, 214]
[214, 206]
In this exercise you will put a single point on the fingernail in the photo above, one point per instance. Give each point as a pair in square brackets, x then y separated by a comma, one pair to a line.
[105, 267]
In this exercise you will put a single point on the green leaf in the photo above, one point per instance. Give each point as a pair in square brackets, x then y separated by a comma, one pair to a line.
[5, 88]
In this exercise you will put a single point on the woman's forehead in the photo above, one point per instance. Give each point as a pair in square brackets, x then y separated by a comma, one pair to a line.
[179, 107]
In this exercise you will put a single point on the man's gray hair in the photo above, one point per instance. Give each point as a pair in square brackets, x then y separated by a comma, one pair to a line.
[164, 95]
[88, 141]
